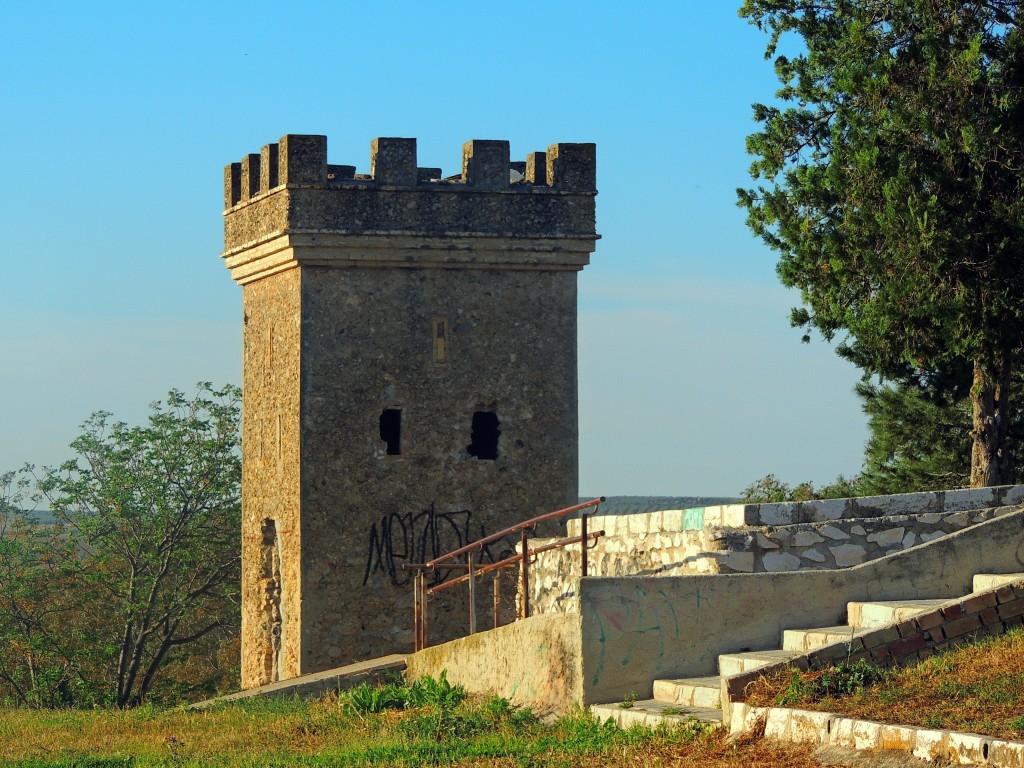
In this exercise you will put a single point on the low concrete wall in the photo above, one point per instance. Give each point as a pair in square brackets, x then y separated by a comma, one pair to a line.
[535, 662]
[636, 630]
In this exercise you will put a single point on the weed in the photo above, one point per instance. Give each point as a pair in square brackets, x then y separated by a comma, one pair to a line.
[438, 693]
[844, 679]
[364, 699]
[628, 701]
[794, 692]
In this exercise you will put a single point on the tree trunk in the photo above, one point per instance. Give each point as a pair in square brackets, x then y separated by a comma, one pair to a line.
[990, 422]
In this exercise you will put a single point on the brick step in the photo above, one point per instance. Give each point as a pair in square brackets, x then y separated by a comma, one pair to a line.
[986, 581]
[809, 639]
[704, 692]
[650, 713]
[735, 663]
[881, 613]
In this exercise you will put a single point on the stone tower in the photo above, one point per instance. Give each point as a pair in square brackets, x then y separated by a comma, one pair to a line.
[409, 378]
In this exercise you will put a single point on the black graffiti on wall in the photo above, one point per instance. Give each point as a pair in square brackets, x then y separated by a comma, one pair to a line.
[417, 537]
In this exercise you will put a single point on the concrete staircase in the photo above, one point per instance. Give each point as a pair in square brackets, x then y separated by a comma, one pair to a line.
[701, 698]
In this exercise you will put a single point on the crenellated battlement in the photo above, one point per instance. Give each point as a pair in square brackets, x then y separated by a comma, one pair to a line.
[288, 205]
[301, 160]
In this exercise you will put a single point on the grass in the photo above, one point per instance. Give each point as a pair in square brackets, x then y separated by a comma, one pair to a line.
[976, 688]
[429, 723]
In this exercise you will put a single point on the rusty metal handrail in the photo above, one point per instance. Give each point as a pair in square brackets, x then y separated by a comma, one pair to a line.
[420, 591]
[510, 561]
[479, 543]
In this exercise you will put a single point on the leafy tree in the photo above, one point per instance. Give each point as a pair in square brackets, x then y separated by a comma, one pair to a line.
[890, 185]
[142, 561]
[770, 489]
[36, 612]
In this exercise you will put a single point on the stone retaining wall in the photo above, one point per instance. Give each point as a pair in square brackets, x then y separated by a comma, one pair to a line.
[759, 538]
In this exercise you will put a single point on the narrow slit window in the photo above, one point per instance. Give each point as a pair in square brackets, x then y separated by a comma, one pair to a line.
[440, 340]
[391, 430]
[484, 436]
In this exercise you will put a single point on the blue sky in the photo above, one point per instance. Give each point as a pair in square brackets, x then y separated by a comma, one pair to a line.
[117, 120]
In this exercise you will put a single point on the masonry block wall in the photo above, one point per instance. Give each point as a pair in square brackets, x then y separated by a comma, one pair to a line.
[409, 378]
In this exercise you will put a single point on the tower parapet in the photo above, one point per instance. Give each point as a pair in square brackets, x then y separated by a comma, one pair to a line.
[290, 188]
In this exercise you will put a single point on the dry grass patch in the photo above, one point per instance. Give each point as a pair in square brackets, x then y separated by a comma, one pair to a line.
[326, 733]
[976, 688]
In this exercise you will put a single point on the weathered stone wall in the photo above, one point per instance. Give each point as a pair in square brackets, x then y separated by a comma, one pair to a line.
[271, 577]
[759, 538]
[420, 389]
[365, 512]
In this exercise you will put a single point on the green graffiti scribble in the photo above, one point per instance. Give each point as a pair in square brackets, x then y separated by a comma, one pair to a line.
[700, 598]
[672, 608]
[693, 519]
[641, 590]
[516, 684]
[600, 658]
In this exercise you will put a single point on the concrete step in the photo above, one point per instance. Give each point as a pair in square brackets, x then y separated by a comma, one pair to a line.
[881, 613]
[371, 671]
[704, 692]
[808, 639]
[986, 581]
[735, 663]
[650, 714]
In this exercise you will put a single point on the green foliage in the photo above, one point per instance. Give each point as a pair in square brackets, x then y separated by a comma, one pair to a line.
[140, 566]
[919, 439]
[428, 692]
[920, 434]
[840, 680]
[425, 692]
[770, 489]
[366, 699]
[889, 183]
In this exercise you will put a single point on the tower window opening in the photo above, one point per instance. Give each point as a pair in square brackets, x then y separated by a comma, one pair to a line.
[484, 436]
[391, 430]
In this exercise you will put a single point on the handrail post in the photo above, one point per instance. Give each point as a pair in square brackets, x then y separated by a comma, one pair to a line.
[497, 599]
[472, 595]
[526, 575]
[423, 610]
[583, 544]
[416, 610]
